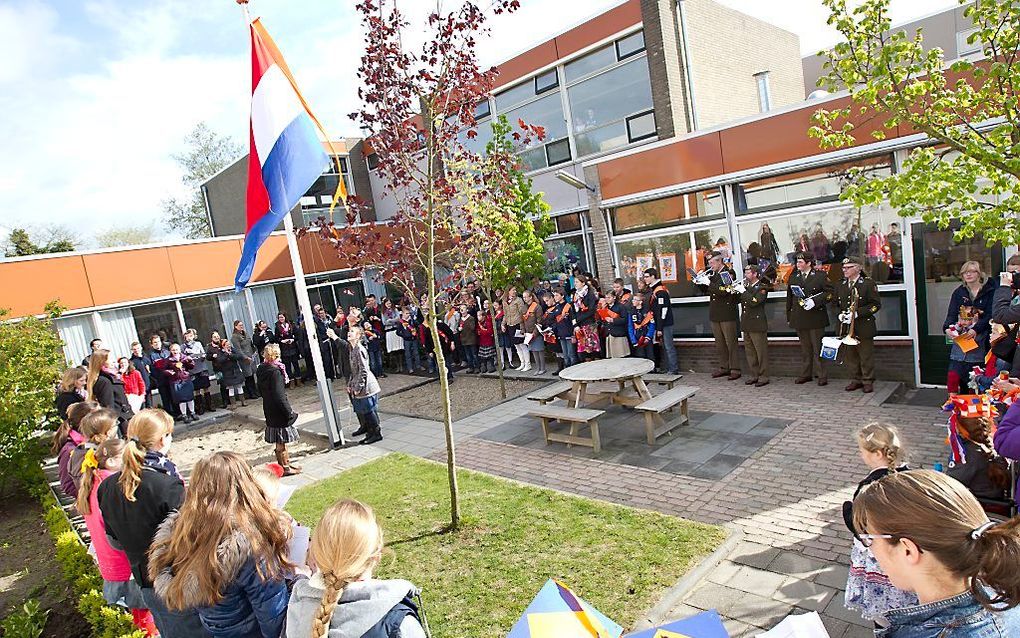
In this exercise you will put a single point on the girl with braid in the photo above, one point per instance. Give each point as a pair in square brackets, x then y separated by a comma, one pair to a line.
[341, 599]
[984, 472]
[868, 589]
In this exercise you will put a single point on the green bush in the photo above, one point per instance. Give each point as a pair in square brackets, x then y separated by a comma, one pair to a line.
[27, 622]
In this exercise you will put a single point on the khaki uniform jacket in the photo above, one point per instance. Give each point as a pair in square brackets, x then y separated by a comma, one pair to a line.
[722, 305]
[868, 305]
[752, 306]
[813, 283]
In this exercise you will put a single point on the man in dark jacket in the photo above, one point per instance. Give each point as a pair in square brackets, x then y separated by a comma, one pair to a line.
[662, 304]
[561, 320]
[722, 315]
[858, 300]
[756, 326]
[157, 352]
[138, 360]
[807, 315]
[323, 324]
[1006, 312]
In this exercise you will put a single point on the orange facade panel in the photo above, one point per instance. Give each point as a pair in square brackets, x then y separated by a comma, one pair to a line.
[599, 28]
[687, 160]
[273, 260]
[123, 276]
[203, 266]
[27, 286]
[526, 63]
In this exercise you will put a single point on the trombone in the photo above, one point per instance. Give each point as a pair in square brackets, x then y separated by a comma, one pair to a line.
[849, 339]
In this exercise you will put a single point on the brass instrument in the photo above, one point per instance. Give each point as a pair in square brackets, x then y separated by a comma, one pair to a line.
[737, 287]
[855, 299]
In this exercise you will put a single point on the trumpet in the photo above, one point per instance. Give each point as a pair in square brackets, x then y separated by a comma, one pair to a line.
[737, 287]
[700, 278]
[851, 314]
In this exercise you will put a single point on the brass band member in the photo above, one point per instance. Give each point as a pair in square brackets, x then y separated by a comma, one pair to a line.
[722, 314]
[755, 326]
[808, 316]
[858, 300]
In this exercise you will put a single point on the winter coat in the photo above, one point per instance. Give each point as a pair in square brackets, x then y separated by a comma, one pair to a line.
[262, 339]
[615, 318]
[75, 460]
[662, 304]
[196, 351]
[815, 285]
[66, 399]
[250, 608]
[132, 524]
[109, 392]
[243, 346]
[229, 365]
[641, 326]
[286, 336]
[532, 315]
[175, 375]
[143, 367]
[1007, 436]
[275, 405]
[408, 330]
[113, 563]
[365, 607]
[974, 473]
[362, 383]
[469, 330]
[151, 359]
[486, 334]
[67, 485]
[983, 302]
[513, 311]
[1004, 310]
[584, 308]
[561, 320]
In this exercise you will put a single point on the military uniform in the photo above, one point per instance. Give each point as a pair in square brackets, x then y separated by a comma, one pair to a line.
[755, 326]
[809, 324]
[722, 314]
[860, 359]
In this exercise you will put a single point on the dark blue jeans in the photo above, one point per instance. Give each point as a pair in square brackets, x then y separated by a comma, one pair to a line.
[670, 364]
[569, 349]
[471, 356]
[173, 623]
[412, 359]
[375, 363]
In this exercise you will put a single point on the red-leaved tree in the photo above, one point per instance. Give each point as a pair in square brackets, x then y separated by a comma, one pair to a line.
[418, 107]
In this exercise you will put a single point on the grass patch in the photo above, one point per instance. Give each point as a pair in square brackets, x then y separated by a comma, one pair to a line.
[477, 581]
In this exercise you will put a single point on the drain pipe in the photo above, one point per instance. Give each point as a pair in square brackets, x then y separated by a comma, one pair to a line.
[693, 110]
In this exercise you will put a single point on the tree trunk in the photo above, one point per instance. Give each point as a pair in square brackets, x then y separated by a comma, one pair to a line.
[444, 394]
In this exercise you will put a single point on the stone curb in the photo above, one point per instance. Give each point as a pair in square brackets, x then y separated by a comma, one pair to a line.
[672, 597]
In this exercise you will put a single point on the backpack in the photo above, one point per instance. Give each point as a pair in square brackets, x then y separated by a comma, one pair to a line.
[389, 626]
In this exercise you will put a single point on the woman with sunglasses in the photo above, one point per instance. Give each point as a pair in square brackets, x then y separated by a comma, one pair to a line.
[932, 538]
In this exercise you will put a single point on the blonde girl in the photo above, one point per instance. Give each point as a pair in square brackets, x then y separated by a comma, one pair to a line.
[71, 391]
[341, 598]
[225, 553]
[118, 586]
[136, 500]
[95, 428]
[868, 589]
[929, 533]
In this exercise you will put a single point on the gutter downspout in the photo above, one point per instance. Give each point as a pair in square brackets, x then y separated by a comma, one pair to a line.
[692, 109]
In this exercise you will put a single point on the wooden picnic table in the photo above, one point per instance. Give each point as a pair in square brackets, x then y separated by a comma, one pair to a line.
[625, 373]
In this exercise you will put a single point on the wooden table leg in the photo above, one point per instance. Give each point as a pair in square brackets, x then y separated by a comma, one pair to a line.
[642, 389]
[579, 388]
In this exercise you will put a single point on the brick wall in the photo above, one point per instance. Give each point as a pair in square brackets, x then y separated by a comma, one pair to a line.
[665, 67]
[894, 361]
[727, 48]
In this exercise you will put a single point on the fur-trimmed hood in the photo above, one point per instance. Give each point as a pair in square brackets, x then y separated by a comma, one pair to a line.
[232, 554]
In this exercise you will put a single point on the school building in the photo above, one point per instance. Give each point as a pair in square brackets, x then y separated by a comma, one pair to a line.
[674, 141]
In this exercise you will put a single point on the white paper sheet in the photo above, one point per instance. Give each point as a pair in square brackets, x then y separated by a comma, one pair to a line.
[297, 551]
[284, 494]
[801, 626]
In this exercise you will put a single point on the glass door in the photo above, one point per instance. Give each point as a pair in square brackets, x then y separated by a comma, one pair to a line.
[937, 261]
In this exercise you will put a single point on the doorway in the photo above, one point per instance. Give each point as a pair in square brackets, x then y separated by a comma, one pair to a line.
[937, 261]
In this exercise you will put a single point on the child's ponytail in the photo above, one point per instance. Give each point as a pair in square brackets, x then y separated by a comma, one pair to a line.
[89, 468]
[145, 431]
[884, 438]
[998, 549]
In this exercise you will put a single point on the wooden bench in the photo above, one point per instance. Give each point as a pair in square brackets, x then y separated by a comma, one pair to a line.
[576, 417]
[551, 392]
[655, 425]
[668, 380]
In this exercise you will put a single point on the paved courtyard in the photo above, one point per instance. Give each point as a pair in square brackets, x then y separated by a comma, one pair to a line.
[774, 464]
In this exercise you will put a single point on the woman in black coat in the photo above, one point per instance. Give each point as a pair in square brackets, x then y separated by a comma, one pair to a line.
[271, 378]
[106, 387]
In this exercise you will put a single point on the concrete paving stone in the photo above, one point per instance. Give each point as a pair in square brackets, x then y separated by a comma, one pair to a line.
[713, 596]
[681, 467]
[837, 610]
[733, 423]
[740, 629]
[836, 627]
[856, 631]
[833, 576]
[723, 572]
[759, 610]
[757, 581]
[805, 594]
[637, 459]
[754, 554]
[697, 451]
[718, 466]
[794, 564]
[682, 610]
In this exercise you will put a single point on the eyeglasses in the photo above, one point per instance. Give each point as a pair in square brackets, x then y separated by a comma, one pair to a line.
[869, 539]
[865, 539]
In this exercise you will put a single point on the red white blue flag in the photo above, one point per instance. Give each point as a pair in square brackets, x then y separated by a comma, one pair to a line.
[286, 154]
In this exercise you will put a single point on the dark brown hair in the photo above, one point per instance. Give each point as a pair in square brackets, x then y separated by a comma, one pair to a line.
[75, 413]
[942, 517]
[979, 431]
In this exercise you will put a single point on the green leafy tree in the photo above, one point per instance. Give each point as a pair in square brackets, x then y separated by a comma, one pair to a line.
[31, 360]
[20, 244]
[506, 223]
[206, 153]
[56, 239]
[970, 110]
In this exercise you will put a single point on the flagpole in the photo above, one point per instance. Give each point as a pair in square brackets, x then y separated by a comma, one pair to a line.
[325, 387]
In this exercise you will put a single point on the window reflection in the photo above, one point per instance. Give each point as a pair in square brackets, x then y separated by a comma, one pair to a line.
[822, 184]
[600, 105]
[668, 210]
[672, 255]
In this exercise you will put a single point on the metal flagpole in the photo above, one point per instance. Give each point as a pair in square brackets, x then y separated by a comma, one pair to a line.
[325, 387]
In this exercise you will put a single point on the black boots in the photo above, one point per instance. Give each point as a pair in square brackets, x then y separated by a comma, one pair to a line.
[208, 403]
[361, 430]
[371, 423]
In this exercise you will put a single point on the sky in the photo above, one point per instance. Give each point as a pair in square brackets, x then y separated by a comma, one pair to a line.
[97, 95]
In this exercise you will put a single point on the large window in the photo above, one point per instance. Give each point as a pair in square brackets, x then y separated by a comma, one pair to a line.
[563, 255]
[891, 319]
[547, 112]
[874, 235]
[672, 255]
[822, 184]
[690, 207]
[203, 314]
[601, 105]
[157, 319]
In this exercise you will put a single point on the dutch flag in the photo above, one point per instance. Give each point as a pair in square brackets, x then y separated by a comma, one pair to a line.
[286, 155]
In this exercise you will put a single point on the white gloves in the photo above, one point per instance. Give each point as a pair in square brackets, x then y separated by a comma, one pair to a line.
[844, 317]
[702, 280]
[809, 304]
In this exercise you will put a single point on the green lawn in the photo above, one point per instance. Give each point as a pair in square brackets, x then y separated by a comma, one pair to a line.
[477, 581]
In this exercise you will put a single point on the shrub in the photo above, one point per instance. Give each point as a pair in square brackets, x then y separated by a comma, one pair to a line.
[27, 622]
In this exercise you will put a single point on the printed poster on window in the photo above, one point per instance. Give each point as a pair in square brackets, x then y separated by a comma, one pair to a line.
[644, 262]
[667, 267]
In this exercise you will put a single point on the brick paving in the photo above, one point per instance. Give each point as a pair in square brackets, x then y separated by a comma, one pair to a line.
[785, 498]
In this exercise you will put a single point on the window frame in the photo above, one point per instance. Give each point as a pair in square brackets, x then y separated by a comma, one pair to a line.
[539, 90]
[623, 56]
[549, 145]
[630, 118]
[764, 91]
